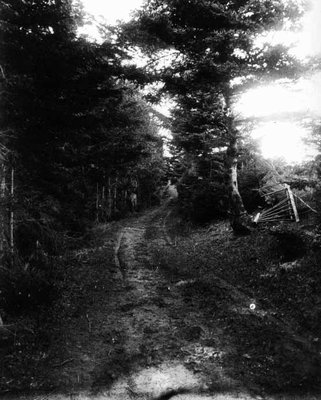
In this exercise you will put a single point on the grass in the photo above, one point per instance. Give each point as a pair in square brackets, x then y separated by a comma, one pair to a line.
[217, 276]
[267, 351]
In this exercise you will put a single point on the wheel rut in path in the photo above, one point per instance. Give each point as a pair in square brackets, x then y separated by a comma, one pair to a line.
[137, 336]
[162, 331]
[170, 329]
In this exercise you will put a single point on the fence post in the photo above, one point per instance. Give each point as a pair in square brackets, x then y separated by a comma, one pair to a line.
[292, 202]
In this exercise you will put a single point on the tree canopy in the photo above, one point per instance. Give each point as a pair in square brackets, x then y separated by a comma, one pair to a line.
[72, 118]
[215, 55]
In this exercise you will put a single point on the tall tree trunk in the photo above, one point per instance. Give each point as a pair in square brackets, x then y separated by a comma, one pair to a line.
[109, 200]
[97, 203]
[3, 209]
[239, 218]
[12, 216]
[115, 210]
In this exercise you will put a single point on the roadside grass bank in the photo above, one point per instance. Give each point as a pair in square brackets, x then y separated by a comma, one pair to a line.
[268, 308]
[37, 343]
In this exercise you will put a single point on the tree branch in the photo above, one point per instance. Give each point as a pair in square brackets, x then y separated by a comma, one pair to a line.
[2, 72]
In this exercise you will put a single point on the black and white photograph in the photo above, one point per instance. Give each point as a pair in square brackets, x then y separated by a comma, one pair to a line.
[160, 199]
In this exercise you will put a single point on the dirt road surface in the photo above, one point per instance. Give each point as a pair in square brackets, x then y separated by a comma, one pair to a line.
[128, 332]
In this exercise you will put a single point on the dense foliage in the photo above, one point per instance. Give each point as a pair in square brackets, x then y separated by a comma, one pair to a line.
[213, 55]
[86, 299]
[76, 136]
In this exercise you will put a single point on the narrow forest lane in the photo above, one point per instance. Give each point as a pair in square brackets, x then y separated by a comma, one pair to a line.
[132, 333]
[161, 343]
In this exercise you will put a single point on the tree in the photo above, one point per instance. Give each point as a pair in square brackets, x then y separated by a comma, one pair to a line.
[315, 166]
[73, 120]
[214, 57]
[41, 60]
[123, 153]
[75, 134]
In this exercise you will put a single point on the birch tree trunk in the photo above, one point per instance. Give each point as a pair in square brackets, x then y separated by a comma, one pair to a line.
[239, 218]
[109, 200]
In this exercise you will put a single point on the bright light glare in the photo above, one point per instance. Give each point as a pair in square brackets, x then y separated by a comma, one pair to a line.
[276, 107]
[276, 99]
[112, 10]
[107, 11]
[282, 140]
[309, 41]
[269, 100]
[304, 43]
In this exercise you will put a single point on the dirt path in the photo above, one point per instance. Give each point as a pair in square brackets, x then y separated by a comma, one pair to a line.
[131, 333]
[159, 322]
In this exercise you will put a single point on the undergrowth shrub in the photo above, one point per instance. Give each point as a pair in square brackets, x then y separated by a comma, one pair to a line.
[29, 235]
[30, 276]
[25, 288]
[317, 198]
[201, 200]
[290, 244]
[249, 183]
